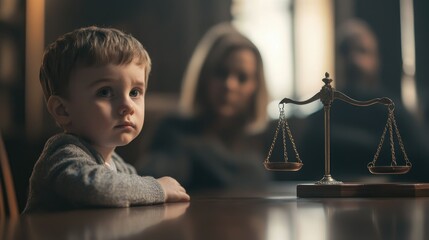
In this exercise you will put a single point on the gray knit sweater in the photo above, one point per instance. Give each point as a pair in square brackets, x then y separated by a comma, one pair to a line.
[70, 174]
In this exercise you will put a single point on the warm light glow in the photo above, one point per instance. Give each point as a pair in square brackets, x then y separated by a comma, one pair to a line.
[8, 59]
[418, 222]
[312, 223]
[34, 47]
[296, 75]
[407, 37]
[279, 225]
[268, 24]
[408, 92]
[314, 45]
[8, 9]
[408, 84]
[293, 222]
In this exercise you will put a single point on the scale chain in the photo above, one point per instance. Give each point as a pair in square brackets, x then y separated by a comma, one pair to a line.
[392, 144]
[377, 153]
[391, 123]
[292, 141]
[275, 137]
[285, 129]
[401, 144]
[284, 122]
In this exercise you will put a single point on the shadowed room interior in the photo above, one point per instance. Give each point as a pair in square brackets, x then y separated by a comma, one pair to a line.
[170, 30]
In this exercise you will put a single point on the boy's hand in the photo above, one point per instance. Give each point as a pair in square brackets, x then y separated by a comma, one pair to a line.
[173, 191]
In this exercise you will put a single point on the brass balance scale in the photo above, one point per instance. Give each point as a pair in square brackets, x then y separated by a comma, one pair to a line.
[328, 186]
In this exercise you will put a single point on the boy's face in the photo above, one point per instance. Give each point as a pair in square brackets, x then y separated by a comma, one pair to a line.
[106, 104]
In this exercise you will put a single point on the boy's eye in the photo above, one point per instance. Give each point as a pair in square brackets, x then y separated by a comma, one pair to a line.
[105, 92]
[136, 92]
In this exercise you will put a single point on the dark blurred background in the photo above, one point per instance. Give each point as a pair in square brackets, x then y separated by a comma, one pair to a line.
[169, 29]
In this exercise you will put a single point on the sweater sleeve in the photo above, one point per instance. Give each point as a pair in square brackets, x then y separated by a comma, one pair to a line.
[83, 182]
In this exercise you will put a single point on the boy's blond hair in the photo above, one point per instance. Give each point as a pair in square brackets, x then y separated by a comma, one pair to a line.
[86, 47]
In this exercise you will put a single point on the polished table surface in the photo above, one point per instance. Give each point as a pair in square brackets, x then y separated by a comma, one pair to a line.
[270, 214]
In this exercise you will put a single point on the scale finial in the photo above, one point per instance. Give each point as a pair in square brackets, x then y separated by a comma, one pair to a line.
[327, 80]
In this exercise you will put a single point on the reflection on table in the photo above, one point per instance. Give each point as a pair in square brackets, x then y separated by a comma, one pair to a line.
[108, 223]
[269, 214]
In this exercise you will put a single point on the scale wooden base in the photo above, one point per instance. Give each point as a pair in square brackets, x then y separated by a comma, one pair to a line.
[346, 190]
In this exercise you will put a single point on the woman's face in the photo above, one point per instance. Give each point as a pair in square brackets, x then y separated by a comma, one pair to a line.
[232, 87]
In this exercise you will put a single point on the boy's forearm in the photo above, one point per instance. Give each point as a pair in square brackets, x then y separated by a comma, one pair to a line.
[98, 186]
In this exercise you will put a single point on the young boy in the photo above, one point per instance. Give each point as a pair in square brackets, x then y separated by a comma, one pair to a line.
[94, 81]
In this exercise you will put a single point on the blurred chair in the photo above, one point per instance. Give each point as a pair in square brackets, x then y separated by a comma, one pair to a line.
[8, 202]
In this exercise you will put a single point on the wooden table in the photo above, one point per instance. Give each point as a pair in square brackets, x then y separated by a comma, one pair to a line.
[268, 214]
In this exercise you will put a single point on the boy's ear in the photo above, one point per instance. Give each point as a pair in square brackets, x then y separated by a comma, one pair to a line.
[57, 108]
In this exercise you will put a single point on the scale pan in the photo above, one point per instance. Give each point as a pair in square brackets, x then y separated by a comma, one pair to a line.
[283, 166]
[389, 169]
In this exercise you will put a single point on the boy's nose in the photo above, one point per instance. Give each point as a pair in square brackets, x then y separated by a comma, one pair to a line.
[126, 107]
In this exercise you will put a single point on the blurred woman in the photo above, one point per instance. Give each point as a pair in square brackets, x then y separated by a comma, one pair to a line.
[213, 141]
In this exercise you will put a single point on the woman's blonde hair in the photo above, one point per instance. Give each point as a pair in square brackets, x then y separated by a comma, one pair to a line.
[216, 43]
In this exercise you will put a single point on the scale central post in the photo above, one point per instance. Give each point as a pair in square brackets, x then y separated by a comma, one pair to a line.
[327, 97]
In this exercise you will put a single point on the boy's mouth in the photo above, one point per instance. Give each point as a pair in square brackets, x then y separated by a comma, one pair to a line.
[126, 125]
